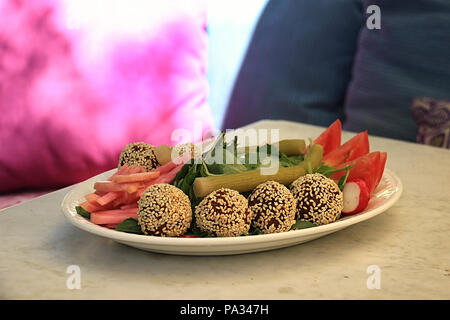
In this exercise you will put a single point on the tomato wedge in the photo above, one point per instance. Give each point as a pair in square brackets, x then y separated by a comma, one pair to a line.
[330, 139]
[352, 149]
[381, 165]
[366, 168]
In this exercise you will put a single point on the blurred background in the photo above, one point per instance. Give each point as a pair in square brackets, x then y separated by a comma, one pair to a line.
[230, 28]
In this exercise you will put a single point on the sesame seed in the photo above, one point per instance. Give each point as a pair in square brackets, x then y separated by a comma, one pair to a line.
[139, 153]
[164, 210]
[319, 198]
[274, 207]
[224, 213]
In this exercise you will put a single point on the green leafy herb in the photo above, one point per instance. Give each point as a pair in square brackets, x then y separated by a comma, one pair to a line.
[297, 159]
[327, 171]
[129, 225]
[254, 231]
[83, 212]
[184, 182]
[194, 230]
[181, 174]
[301, 224]
[232, 161]
[290, 161]
[343, 180]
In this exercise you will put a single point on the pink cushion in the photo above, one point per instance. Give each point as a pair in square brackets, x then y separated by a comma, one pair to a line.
[78, 82]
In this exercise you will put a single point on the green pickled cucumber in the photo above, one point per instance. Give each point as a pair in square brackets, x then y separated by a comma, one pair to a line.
[247, 181]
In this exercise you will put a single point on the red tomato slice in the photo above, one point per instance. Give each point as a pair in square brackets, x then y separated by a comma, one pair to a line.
[381, 165]
[366, 167]
[354, 148]
[330, 139]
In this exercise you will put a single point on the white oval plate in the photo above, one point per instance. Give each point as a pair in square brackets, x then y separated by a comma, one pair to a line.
[386, 194]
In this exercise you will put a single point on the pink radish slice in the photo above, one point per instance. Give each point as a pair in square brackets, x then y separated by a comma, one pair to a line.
[163, 178]
[169, 176]
[89, 207]
[166, 168]
[113, 216]
[107, 198]
[92, 197]
[109, 186]
[135, 169]
[181, 160]
[136, 177]
[356, 196]
[129, 206]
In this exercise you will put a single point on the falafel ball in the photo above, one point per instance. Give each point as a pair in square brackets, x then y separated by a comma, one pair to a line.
[139, 153]
[164, 210]
[273, 206]
[319, 199]
[224, 213]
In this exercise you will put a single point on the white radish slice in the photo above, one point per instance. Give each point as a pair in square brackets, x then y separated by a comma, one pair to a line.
[356, 196]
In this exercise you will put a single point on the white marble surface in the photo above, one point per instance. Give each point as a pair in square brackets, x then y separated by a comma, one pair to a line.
[410, 243]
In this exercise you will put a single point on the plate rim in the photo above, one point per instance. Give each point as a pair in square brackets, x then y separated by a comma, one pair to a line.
[88, 226]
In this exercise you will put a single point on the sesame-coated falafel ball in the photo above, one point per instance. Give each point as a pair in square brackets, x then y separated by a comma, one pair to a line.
[139, 153]
[164, 210]
[319, 199]
[273, 207]
[224, 213]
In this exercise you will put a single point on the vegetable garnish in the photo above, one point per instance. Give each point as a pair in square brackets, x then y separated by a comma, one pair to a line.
[241, 175]
[306, 187]
[356, 196]
[83, 212]
[249, 179]
[328, 171]
[302, 224]
[129, 225]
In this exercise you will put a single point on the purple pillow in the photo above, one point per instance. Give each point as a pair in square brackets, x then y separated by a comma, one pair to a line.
[433, 119]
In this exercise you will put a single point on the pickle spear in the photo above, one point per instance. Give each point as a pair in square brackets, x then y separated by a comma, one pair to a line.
[292, 147]
[247, 181]
[289, 147]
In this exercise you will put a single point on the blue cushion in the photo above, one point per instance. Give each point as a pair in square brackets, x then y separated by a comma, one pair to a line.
[298, 64]
[408, 58]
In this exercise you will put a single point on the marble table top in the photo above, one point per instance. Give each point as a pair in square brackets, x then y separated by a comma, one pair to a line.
[408, 245]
